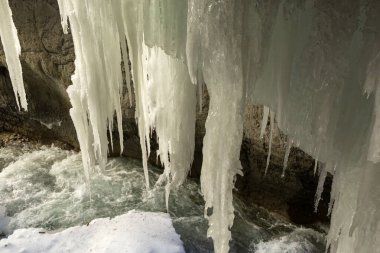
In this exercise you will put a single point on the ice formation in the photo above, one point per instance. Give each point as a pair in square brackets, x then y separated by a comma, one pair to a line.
[213, 49]
[171, 100]
[12, 50]
[165, 97]
[309, 62]
[286, 157]
[97, 81]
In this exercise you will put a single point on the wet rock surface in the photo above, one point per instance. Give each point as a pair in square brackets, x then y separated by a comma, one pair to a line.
[48, 62]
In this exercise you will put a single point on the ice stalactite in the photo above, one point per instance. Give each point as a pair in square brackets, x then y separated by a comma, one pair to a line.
[165, 97]
[132, 24]
[320, 187]
[219, 59]
[286, 157]
[316, 163]
[133, 28]
[97, 81]
[171, 99]
[12, 50]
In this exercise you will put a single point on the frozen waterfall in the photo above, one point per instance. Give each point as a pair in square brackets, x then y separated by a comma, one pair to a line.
[314, 65]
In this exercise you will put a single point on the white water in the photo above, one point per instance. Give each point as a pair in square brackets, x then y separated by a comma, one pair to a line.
[45, 188]
[12, 50]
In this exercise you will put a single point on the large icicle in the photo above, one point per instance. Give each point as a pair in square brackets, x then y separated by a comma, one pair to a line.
[12, 50]
[171, 99]
[220, 62]
[320, 187]
[286, 157]
[132, 23]
[97, 81]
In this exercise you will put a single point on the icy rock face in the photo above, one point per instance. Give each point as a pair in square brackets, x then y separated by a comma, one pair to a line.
[97, 81]
[12, 50]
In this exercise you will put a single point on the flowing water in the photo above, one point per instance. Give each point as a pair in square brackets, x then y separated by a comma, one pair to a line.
[45, 187]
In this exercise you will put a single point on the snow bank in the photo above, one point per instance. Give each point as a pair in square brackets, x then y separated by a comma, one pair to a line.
[132, 232]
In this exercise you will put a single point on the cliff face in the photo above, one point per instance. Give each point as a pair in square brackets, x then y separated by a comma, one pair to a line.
[48, 63]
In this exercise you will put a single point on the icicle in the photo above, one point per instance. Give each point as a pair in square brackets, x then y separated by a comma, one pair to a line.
[270, 139]
[171, 102]
[286, 158]
[264, 121]
[97, 81]
[118, 12]
[320, 187]
[315, 165]
[220, 62]
[316, 161]
[333, 196]
[132, 28]
[12, 51]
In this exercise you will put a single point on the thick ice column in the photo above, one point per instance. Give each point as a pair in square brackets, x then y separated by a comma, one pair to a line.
[220, 62]
[12, 50]
[97, 81]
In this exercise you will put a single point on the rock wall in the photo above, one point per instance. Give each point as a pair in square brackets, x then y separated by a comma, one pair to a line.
[48, 62]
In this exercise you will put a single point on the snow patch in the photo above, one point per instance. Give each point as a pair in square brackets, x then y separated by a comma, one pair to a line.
[132, 232]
